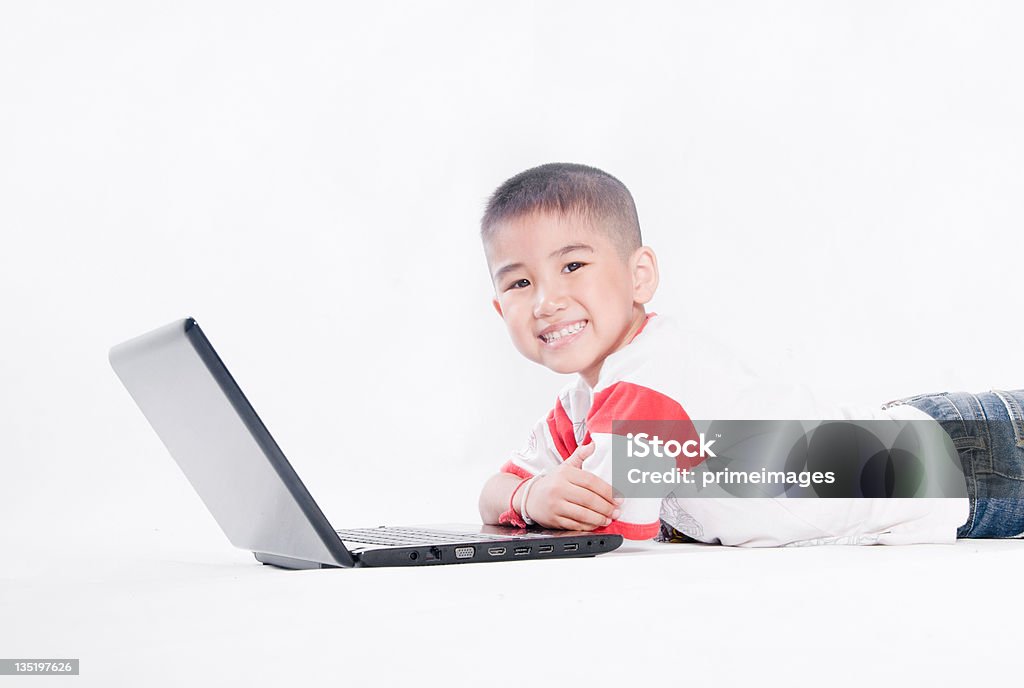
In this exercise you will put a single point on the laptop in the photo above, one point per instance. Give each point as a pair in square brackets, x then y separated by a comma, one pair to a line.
[199, 412]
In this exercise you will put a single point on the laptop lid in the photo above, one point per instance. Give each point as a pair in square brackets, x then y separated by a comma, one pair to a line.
[213, 433]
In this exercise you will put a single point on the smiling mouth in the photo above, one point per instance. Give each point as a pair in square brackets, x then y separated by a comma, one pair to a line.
[552, 337]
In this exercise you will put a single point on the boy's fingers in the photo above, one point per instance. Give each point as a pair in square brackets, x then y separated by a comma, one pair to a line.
[568, 524]
[580, 514]
[590, 500]
[594, 484]
[581, 453]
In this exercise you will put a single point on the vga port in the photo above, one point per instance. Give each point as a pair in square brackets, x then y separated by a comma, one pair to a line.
[465, 552]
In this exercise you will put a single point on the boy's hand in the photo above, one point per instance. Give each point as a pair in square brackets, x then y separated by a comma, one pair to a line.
[570, 498]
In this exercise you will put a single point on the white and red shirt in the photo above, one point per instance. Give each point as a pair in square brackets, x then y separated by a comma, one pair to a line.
[627, 388]
[665, 373]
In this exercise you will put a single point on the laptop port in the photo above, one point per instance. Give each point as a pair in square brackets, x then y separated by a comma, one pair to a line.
[465, 552]
[545, 549]
[521, 551]
[571, 547]
[496, 551]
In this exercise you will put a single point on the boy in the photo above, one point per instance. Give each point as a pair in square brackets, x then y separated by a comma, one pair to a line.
[572, 279]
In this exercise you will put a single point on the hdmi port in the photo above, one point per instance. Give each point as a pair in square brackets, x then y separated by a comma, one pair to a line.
[520, 551]
[571, 547]
[496, 551]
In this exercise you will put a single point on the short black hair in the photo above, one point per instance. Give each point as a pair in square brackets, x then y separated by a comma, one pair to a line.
[566, 188]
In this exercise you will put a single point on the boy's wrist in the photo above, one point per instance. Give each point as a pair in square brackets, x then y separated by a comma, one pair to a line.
[524, 496]
[512, 515]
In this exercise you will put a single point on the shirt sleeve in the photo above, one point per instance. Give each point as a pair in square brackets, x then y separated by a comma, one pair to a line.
[541, 450]
[625, 401]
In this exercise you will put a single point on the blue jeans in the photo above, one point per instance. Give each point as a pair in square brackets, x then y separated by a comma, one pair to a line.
[987, 430]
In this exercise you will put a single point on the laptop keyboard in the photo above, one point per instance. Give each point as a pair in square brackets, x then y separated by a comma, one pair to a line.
[415, 536]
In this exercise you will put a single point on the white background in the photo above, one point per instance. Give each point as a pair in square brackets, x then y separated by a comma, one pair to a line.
[832, 188]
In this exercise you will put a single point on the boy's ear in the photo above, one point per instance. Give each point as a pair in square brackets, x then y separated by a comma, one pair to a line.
[645, 274]
[497, 307]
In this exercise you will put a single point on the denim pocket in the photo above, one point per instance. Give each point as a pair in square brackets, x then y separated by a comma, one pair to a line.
[1012, 402]
[1006, 430]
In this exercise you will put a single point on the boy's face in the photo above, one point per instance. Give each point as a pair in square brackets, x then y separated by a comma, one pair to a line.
[566, 292]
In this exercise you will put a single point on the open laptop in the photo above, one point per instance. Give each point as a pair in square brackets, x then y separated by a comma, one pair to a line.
[199, 412]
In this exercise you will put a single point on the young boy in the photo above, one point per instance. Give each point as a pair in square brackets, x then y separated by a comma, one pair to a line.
[572, 279]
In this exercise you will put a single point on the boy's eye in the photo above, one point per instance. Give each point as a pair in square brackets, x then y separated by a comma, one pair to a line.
[573, 266]
[519, 284]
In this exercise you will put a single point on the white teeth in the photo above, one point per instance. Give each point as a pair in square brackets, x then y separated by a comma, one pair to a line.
[564, 332]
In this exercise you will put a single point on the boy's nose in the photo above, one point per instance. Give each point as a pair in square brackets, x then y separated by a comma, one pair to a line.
[547, 304]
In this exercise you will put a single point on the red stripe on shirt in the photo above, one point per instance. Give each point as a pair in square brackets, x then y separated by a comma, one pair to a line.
[562, 432]
[627, 401]
[515, 469]
[630, 408]
[631, 531]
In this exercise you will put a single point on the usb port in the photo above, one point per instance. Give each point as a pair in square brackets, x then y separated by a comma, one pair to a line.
[520, 551]
[571, 547]
[545, 549]
[496, 551]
